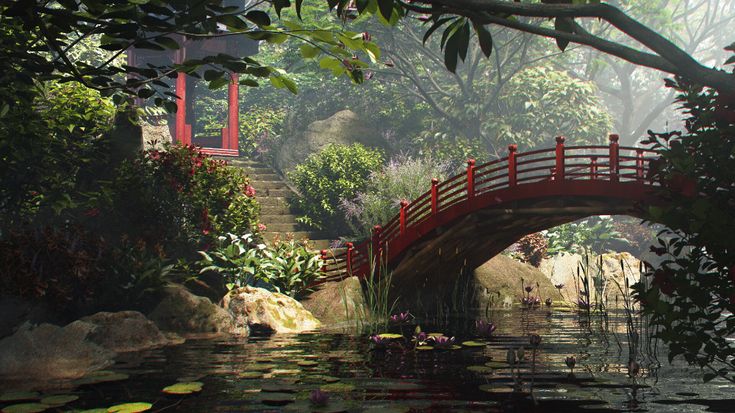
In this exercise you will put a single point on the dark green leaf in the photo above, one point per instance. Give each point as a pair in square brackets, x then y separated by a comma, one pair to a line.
[258, 17]
[563, 25]
[485, 39]
[386, 8]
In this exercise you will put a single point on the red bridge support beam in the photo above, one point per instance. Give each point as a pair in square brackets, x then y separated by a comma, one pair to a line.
[434, 196]
[639, 165]
[512, 169]
[559, 170]
[614, 158]
[350, 247]
[377, 230]
[470, 178]
[593, 168]
[402, 217]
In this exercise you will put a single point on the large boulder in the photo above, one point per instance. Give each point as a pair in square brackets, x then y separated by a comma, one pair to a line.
[183, 312]
[125, 331]
[336, 303]
[262, 310]
[342, 128]
[48, 352]
[498, 282]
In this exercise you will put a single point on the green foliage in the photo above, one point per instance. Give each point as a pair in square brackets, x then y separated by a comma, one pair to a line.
[337, 172]
[33, 28]
[539, 102]
[179, 199]
[691, 295]
[403, 178]
[594, 235]
[50, 139]
[288, 267]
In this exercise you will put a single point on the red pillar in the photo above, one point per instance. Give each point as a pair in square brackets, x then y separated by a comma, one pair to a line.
[470, 178]
[639, 164]
[402, 216]
[323, 254]
[434, 196]
[233, 110]
[559, 169]
[181, 134]
[350, 247]
[376, 248]
[614, 159]
[593, 168]
[512, 170]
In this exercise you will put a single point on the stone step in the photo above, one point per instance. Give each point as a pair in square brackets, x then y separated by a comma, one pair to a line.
[282, 227]
[258, 171]
[265, 178]
[266, 210]
[273, 193]
[299, 235]
[314, 244]
[271, 200]
[246, 162]
[268, 185]
[277, 218]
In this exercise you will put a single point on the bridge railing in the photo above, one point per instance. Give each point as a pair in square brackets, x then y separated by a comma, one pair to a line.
[611, 163]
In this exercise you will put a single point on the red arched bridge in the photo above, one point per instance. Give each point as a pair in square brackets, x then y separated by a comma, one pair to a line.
[471, 217]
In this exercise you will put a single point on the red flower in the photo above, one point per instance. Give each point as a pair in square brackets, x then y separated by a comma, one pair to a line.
[250, 191]
[262, 227]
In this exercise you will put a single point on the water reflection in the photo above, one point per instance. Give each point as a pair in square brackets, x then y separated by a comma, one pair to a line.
[279, 373]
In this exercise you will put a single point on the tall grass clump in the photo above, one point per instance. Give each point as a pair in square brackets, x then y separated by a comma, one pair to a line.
[402, 178]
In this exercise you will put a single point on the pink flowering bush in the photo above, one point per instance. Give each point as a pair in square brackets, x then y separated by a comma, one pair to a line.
[179, 198]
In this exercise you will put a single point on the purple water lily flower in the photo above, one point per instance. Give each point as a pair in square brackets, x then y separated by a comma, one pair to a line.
[583, 304]
[379, 342]
[549, 301]
[529, 289]
[443, 342]
[559, 286]
[319, 398]
[401, 318]
[420, 338]
[485, 328]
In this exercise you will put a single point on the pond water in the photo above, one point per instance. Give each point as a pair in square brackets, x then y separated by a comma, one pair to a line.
[277, 374]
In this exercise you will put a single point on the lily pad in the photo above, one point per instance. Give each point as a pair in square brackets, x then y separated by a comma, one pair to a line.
[250, 375]
[59, 400]
[333, 406]
[184, 388]
[391, 385]
[18, 396]
[307, 363]
[497, 364]
[435, 334]
[98, 410]
[261, 367]
[276, 399]
[390, 336]
[130, 408]
[320, 378]
[285, 372]
[424, 348]
[474, 344]
[338, 387]
[481, 369]
[26, 408]
[101, 376]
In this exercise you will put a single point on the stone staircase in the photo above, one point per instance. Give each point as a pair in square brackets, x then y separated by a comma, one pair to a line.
[273, 195]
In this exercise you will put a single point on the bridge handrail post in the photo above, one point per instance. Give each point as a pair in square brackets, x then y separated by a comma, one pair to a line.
[375, 245]
[404, 205]
[639, 164]
[350, 247]
[434, 196]
[559, 170]
[593, 168]
[614, 157]
[323, 256]
[470, 178]
[512, 169]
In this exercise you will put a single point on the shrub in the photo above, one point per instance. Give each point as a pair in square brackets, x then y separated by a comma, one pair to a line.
[179, 199]
[337, 172]
[532, 248]
[288, 267]
[51, 140]
[402, 178]
[595, 235]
